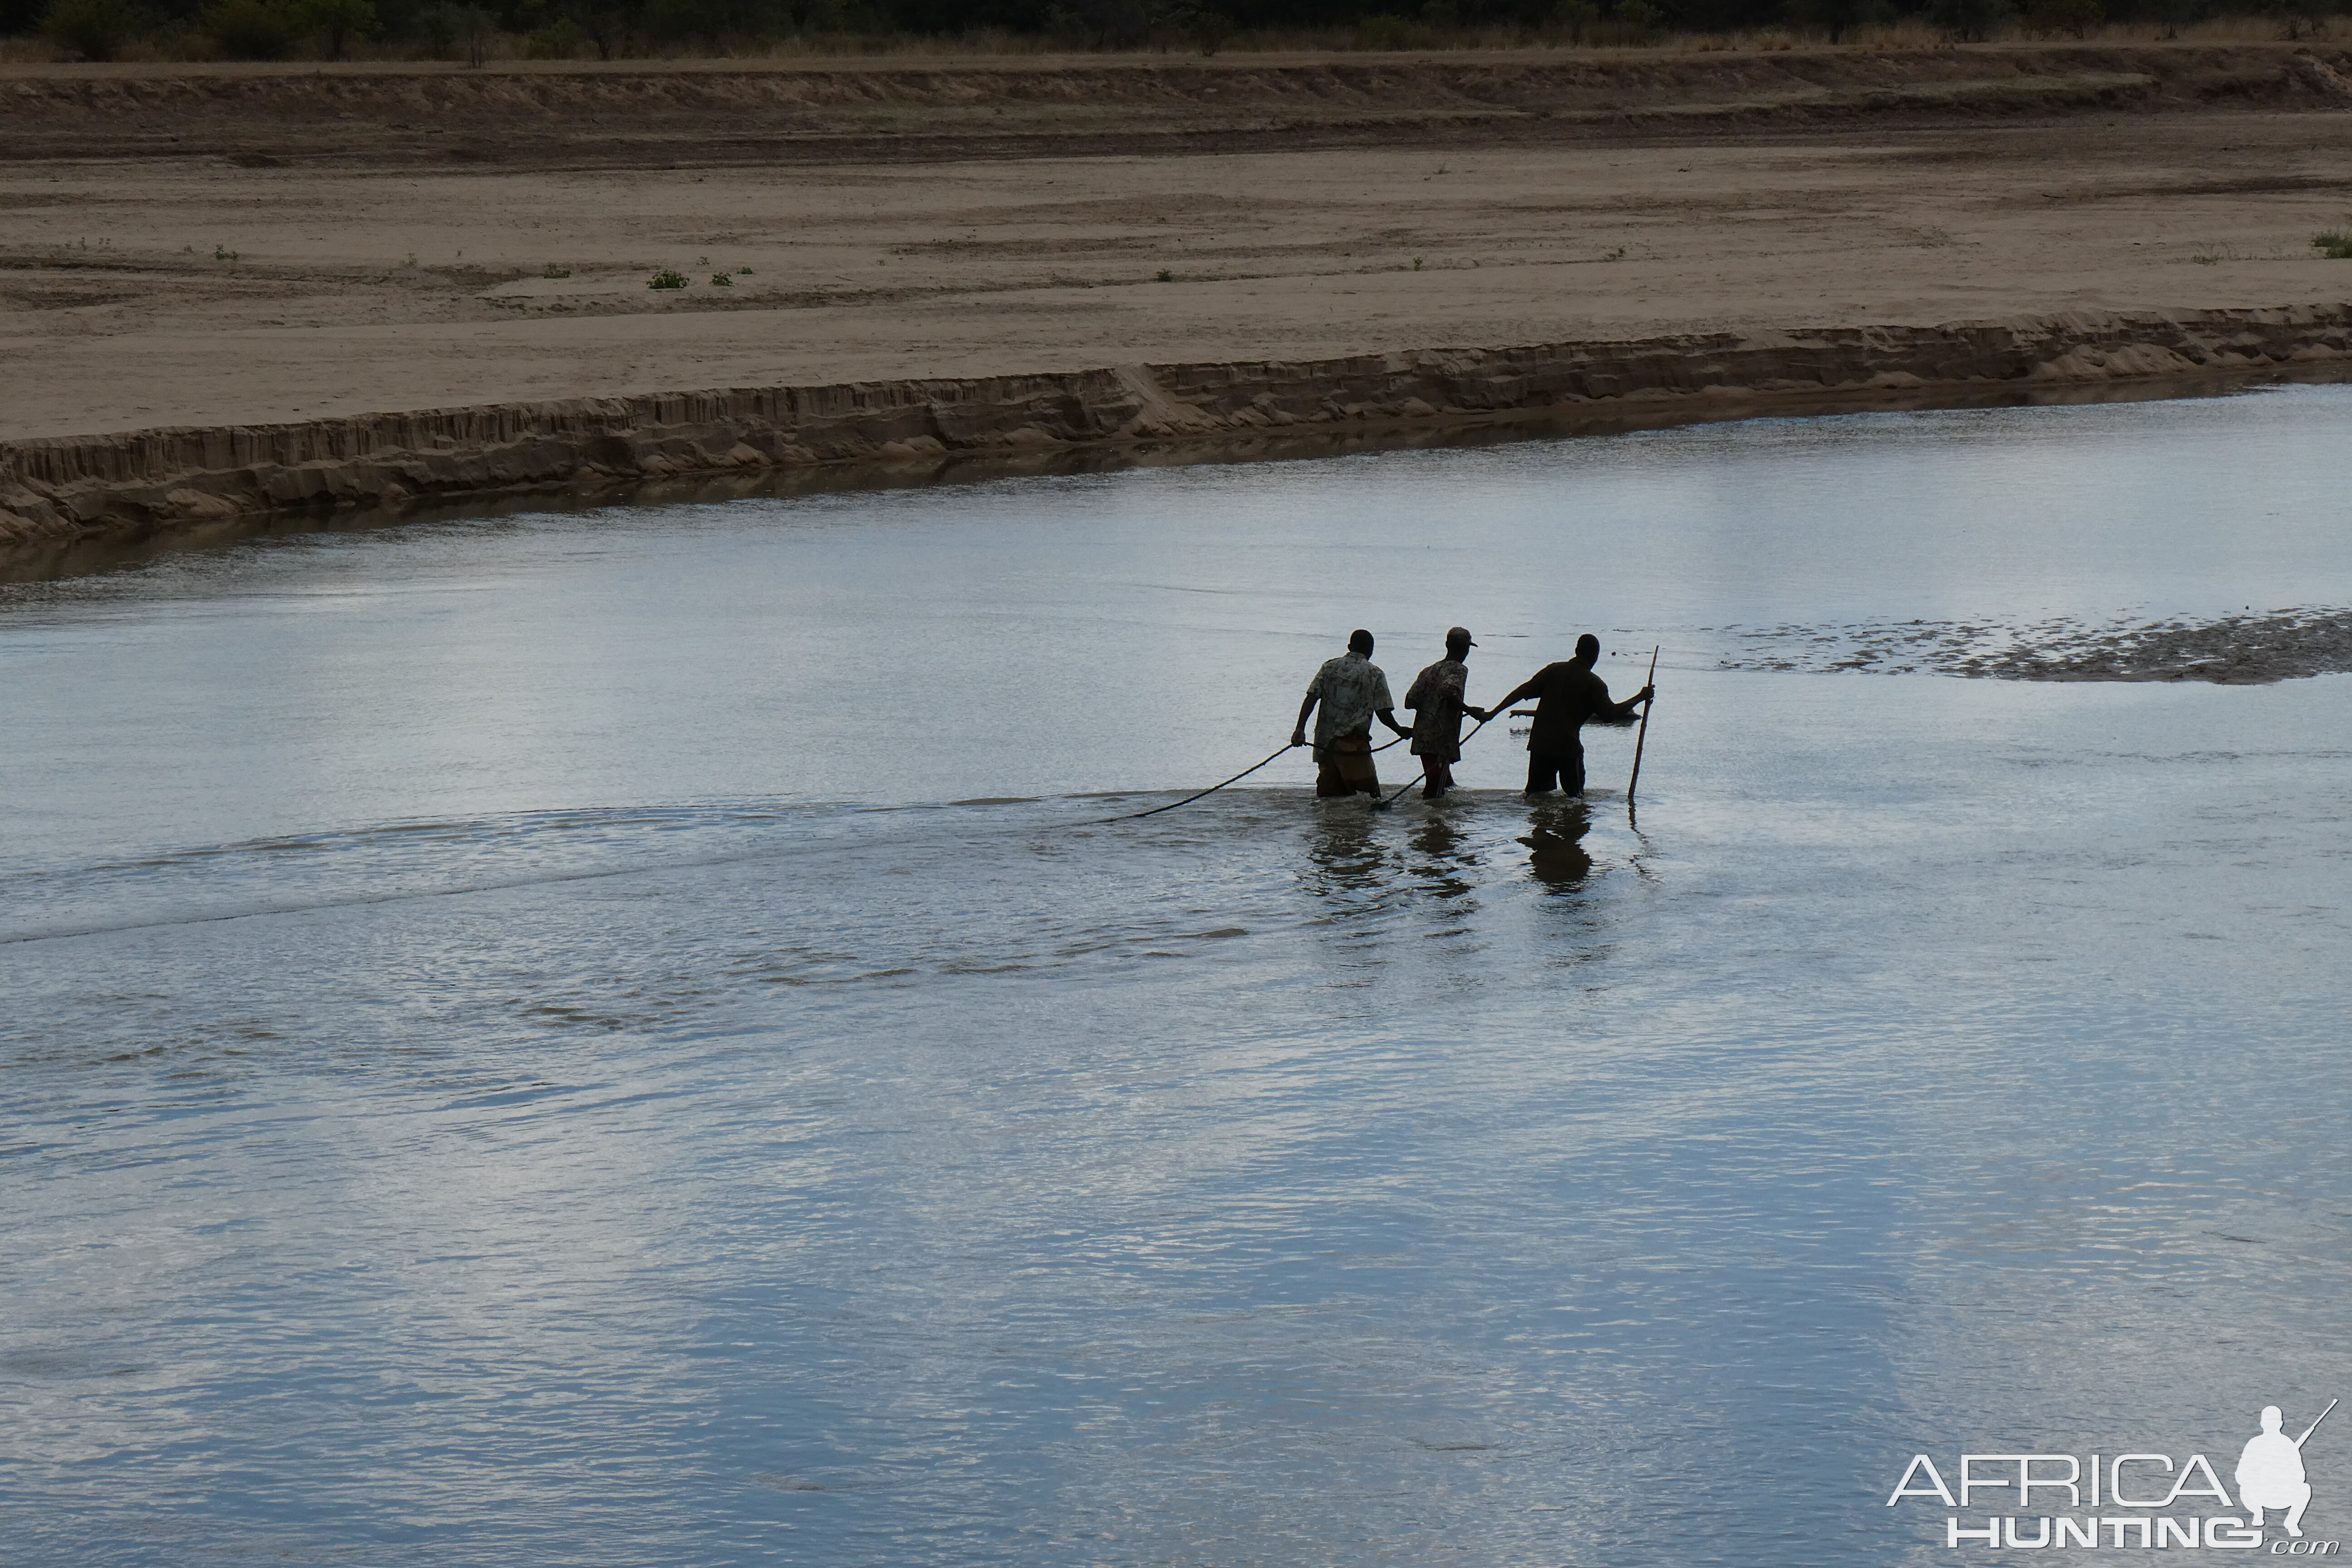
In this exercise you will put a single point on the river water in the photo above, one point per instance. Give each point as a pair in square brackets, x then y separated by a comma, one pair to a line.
[625, 1036]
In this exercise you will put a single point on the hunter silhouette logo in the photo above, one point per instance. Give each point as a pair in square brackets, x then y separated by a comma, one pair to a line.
[2270, 1472]
[2133, 1500]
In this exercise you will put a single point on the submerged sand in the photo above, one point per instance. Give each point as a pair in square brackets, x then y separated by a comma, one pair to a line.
[2253, 648]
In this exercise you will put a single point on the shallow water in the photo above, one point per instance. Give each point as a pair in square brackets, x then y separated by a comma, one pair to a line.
[512, 1056]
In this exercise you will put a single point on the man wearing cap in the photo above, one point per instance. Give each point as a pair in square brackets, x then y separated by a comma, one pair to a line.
[1567, 696]
[1351, 690]
[1436, 698]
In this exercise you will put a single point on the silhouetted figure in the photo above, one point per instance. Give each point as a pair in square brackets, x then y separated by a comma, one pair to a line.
[1352, 691]
[1568, 696]
[1437, 700]
[2271, 1474]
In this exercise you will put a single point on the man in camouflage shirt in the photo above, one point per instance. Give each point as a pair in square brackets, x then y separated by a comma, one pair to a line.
[1437, 700]
[1351, 690]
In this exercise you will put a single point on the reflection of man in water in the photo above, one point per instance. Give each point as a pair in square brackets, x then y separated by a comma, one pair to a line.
[1567, 696]
[1437, 697]
[1351, 690]
[1554, 854]
[2270, 1474]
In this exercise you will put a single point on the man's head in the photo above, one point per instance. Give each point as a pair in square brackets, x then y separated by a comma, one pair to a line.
[1457, 642]
[1588, 648]
[2271, 1417]
[1361, 641]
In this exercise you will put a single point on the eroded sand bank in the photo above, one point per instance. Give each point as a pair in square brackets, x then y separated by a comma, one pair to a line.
[133, 485]
[238, 288]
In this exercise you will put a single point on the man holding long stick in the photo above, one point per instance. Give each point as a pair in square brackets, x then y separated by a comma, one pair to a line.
[1568, 696]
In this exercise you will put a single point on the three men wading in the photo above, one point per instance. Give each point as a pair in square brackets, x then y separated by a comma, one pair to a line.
[1352, 691]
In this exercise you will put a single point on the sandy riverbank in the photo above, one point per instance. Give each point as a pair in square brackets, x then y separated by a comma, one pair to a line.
[136, 485]
[229, 250]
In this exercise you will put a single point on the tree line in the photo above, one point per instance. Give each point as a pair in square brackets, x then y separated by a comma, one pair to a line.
[477, 29]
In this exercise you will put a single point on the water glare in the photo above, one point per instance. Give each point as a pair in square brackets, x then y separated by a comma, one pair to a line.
[635, 1037]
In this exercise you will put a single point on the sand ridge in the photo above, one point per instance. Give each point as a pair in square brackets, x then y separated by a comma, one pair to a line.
[131, 486]
[770, 111]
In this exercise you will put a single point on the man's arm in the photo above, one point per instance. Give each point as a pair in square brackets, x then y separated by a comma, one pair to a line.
[1460, 694]
[1524, 689]
[1298, 730]
[1624, 711]
[1452, 696]
[1384, 705]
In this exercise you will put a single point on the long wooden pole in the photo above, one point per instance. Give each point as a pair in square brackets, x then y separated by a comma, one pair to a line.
[1643, 735]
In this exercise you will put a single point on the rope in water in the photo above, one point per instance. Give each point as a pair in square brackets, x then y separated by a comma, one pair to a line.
[1212, 789]
[1408, 784]
[1237, 778]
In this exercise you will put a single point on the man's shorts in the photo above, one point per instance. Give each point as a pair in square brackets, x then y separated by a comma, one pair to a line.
[1347, 767]
[1566, 768]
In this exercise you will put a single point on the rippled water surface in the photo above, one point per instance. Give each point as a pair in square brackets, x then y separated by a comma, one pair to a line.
[628, 1036]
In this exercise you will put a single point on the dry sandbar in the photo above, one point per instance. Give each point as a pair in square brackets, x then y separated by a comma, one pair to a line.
[240, 289]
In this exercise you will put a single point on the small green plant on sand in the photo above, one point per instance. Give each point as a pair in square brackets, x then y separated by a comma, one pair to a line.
[223, 253]
[1416, 264]
[555, 271]
[1164, 276]
[2336, 244]
[667, 278]
[724, 279]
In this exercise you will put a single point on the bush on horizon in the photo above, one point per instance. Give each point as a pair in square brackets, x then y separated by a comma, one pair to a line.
[559, 29]
[95, 29]
[2074, 18]
[337, 23]
[2300, 19]
[1835, 19]
[253, 29]
[1969, 21]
